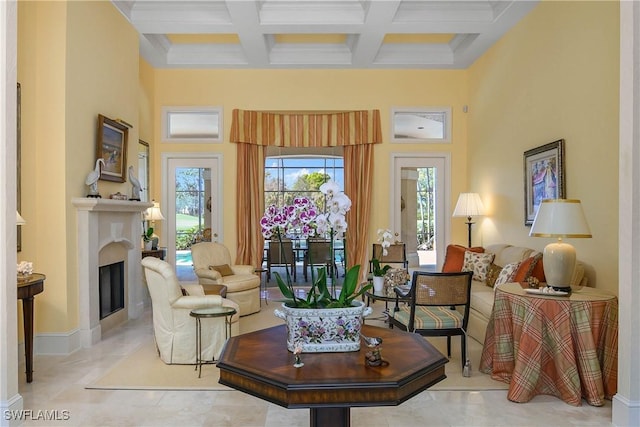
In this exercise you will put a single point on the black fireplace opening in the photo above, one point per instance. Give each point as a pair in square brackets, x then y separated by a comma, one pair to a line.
[111, 288]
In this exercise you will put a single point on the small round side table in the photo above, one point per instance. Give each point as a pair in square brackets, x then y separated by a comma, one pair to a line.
[387, 299]
[203, 313]
[264, 293]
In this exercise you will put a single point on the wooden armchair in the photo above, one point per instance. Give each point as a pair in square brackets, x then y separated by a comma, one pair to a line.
[438, 305]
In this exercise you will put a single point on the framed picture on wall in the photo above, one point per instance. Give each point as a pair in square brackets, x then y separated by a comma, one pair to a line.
[112, 148]
[543, 177]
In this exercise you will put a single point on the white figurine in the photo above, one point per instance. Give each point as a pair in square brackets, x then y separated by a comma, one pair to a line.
[135, 185]
[92, 179]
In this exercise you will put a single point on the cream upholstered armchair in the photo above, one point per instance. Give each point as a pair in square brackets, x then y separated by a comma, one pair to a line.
[174, 328]
[212, 265]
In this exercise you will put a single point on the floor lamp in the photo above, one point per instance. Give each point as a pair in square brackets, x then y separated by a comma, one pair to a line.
[469, 205]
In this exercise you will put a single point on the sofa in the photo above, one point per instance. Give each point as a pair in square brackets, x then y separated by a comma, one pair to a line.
[521, 263]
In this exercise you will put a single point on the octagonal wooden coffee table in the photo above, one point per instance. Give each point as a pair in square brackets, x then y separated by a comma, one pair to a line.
[258, 363]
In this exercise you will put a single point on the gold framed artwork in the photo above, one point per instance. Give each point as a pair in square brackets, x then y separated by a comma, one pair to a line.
[112, 148]
[544, 177]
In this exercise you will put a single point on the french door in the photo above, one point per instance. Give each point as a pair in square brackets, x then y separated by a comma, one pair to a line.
[419, 202]
[192, 202]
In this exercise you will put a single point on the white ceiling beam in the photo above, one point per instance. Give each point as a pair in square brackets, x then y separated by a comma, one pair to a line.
[366, 45]
[246, 24]
[298, 12]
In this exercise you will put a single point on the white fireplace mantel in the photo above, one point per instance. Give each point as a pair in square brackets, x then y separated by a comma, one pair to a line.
[100, 223]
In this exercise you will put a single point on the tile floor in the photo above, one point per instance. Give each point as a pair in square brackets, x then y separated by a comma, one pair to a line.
[59, 383]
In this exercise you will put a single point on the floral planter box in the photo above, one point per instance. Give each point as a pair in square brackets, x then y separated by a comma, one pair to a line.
[324, 330]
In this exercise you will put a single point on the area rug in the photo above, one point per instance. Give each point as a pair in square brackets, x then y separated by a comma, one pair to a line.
[143, 369]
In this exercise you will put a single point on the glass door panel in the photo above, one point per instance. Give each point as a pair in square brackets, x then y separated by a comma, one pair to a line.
[192, 201]
[420, 188]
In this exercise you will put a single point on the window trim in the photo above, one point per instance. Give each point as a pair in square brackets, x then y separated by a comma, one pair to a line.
[215, 112]
[407, 111]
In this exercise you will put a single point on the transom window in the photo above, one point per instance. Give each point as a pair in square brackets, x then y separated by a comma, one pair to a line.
[290, 176]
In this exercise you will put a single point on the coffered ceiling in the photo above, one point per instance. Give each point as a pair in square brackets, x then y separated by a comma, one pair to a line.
[319, 33]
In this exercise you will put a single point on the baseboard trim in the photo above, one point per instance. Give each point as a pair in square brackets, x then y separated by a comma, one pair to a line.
[59, 344]
[11, 406]
[624, 412]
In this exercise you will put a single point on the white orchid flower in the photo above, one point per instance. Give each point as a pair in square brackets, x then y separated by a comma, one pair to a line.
[384, 237]
[340, 204]
[330, 188]
[339, 226]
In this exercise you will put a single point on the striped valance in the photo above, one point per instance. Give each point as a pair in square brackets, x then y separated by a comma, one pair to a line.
[306, 129]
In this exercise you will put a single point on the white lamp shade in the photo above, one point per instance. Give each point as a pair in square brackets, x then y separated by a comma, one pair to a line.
[19, 219]
[469, 204]
[154, 213]
[560, 218]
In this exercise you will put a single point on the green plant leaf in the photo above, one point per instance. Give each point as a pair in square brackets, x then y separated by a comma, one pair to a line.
[287, 292]
[377, 270]
[349, 286]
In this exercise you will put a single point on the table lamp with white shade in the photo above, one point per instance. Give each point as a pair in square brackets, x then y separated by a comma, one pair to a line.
[469, 205]
[560, 218]
[152, 215]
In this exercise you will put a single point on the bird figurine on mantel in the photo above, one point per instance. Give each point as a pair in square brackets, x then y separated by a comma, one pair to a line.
[92, 179]
[135, 185]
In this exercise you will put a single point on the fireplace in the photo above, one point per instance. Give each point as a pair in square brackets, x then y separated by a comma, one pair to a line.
[111, 288]
[109, 231]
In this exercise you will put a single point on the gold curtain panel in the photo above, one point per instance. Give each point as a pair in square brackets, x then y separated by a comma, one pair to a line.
[306, 129]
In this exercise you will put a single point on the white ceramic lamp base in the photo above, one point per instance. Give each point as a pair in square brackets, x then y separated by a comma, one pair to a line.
[559, 261]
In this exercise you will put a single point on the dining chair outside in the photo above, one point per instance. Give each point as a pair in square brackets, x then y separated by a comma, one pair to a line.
[281, 254]
[318, 253]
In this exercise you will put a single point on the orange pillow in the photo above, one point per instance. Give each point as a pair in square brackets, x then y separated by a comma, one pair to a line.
[538, 271]
[454, 258]
[526, 268]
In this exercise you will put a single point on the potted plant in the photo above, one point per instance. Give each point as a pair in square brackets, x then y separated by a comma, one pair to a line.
[147, 239]
[324, 320]
[378, 275]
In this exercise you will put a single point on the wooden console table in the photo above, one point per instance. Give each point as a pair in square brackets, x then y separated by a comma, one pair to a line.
[258, 363]
[158, 253]
[27, 289]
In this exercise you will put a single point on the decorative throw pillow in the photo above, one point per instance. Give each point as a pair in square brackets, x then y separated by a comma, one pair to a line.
[478, 263]
[394, 277]
[507, 273]
[223, 269]
[454, 258]
[538, 271]
[492, 275]
[526, 268]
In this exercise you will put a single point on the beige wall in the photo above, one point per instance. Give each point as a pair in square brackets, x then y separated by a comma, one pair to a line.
[318, 90]
[75, 60]
[554, 75]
